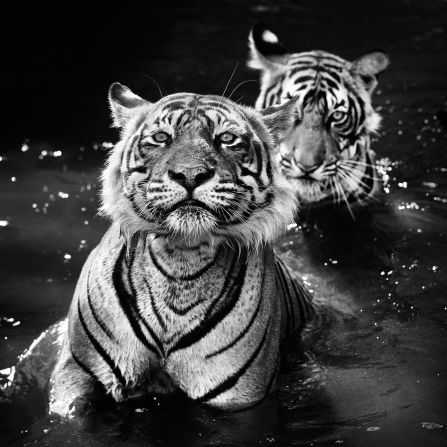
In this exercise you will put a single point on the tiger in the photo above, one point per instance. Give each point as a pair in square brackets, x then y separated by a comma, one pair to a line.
[184, 293]
[326, 157]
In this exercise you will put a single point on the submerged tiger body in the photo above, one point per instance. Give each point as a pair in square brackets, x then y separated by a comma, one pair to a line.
[184, 292]
[327, 156]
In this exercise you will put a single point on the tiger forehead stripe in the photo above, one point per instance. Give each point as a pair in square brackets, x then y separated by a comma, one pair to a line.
[182, 111]
[316, 57]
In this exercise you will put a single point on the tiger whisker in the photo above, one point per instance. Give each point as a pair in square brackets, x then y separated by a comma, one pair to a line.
[360, 163]
[155, 82]
[356, 177]
[353, 184]
[359, 186]
[359, 171]
[240, 84]
[229, 80]
[345, 198]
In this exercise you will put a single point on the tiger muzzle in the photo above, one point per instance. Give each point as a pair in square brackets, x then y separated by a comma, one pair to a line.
[191, 177]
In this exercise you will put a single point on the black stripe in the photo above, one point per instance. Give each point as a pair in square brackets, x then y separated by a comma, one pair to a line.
[210, 320]
[258, 152]
[329, 67]
[284, 306]
[125, 300]
[247, 328]
[99, 349]
[304, 78]
[86, 369]
[184, 310]
[105, 329]
[160, 320]
[280, 285]
[140, 169]
[133, 293]
[331, 84]
[287, 292]
[231, 381]
[301, 299]
[300, 294]
[195, 275]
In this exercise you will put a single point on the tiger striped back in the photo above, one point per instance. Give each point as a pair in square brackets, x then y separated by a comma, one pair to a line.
[327, 156]
[184, 292]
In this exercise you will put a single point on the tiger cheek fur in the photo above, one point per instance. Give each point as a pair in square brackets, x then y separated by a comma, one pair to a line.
[326, 157]
[184, 291]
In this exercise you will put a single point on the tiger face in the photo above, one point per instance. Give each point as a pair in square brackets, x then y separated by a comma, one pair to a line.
[197, 167]
[326, 156]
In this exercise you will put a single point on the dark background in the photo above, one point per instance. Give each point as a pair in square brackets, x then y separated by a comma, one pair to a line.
[59, 61]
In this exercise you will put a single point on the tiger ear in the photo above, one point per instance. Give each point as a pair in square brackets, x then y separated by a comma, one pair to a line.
[266, 51]
[368, 67]
[123, 103]
[281, 119]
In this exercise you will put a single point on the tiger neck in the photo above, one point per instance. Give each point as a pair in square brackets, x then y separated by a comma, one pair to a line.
[179, 257]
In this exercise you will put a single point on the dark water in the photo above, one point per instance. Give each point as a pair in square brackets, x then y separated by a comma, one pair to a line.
[374, 369]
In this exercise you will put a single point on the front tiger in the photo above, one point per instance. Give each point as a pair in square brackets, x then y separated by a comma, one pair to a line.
[184, 291]
[326, 156]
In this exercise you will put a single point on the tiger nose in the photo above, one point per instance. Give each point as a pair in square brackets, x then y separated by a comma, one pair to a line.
[191, 178]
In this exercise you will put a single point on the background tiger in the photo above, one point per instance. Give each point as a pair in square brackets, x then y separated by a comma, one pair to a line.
[184, 292]
[326, 156]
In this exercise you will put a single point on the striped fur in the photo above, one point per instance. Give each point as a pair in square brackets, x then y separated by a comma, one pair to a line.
[327, 156]
[184, 293]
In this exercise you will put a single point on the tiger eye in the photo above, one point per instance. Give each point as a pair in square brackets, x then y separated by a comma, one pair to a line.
[227, 137]
[161, 137]
[338, 116]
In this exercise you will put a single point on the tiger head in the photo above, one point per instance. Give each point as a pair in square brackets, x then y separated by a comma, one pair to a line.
[326, 157]
[197, 167]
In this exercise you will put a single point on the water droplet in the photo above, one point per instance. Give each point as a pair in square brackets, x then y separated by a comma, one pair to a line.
[431, 425]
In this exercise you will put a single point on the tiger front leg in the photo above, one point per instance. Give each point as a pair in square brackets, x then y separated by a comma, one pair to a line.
[73, 390]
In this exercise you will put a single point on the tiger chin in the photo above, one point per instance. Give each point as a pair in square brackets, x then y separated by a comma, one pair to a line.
[184, 292]
[326, 157]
